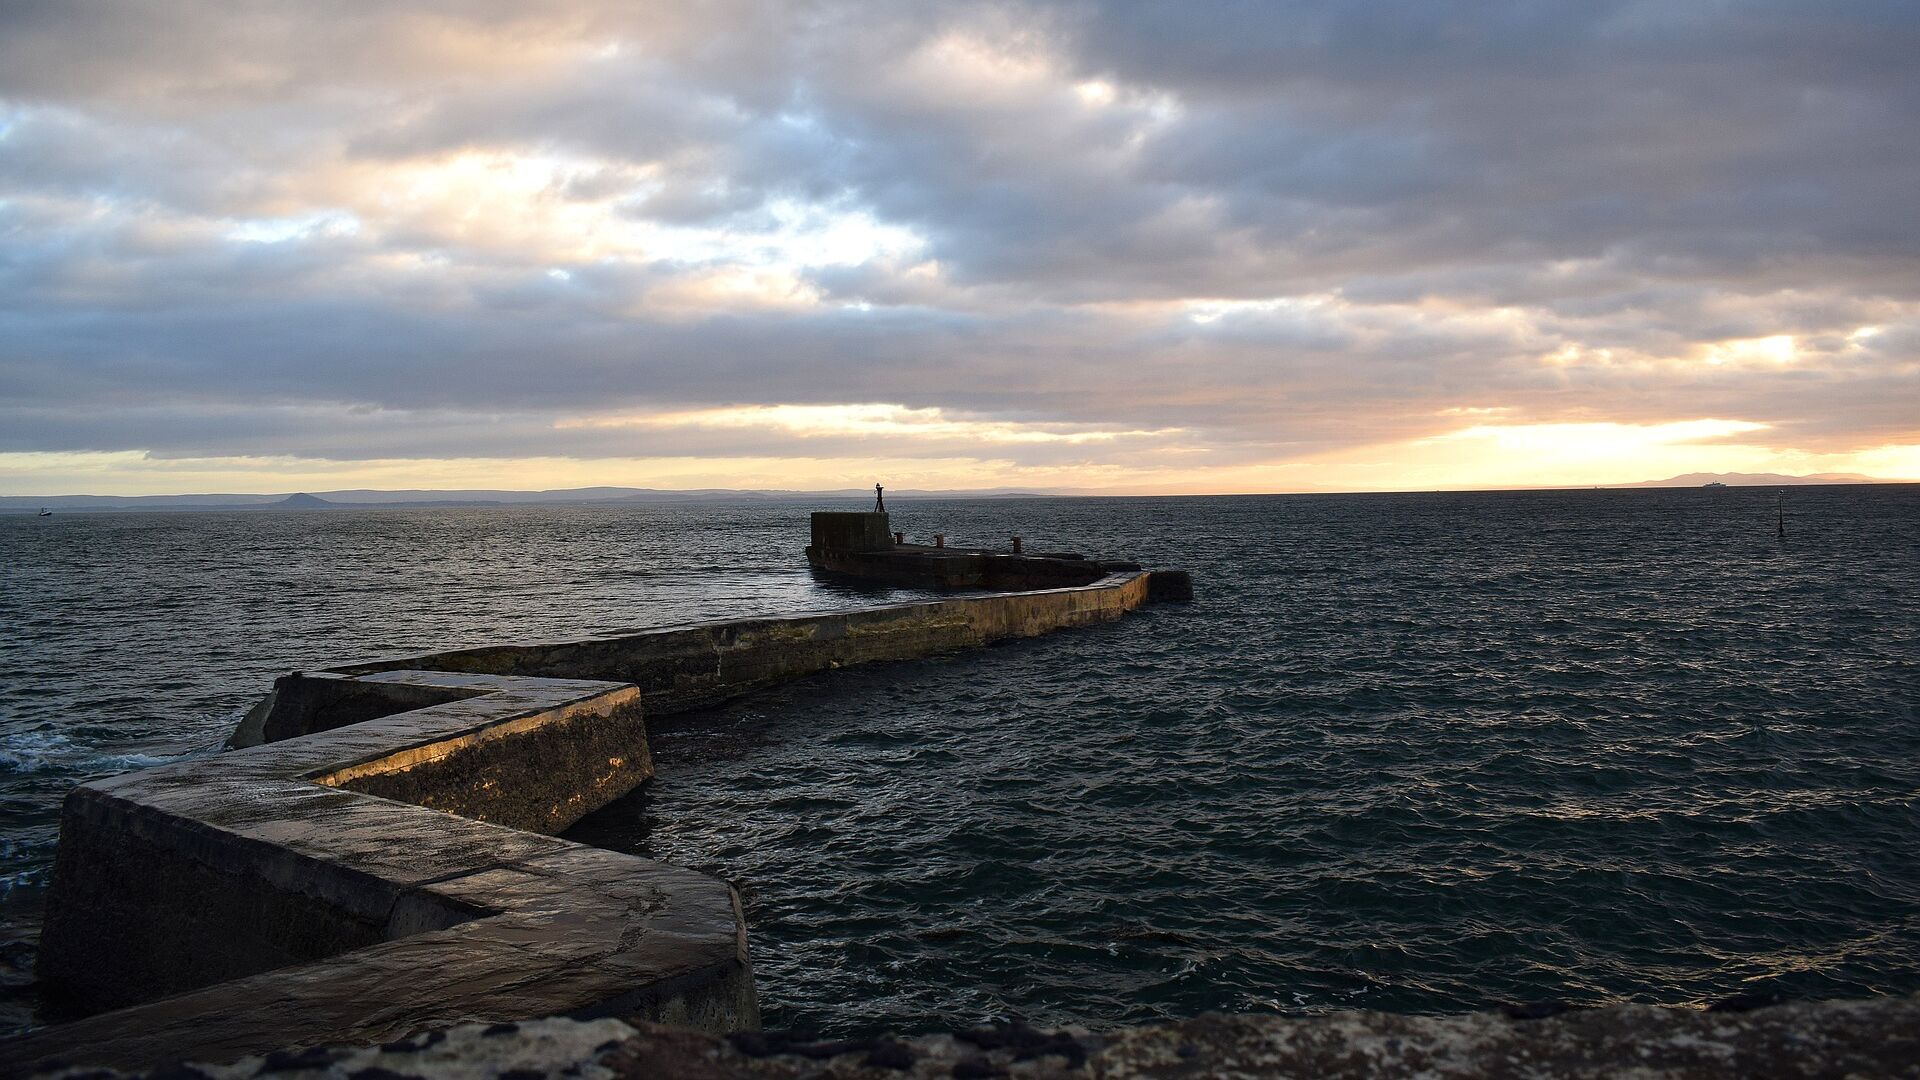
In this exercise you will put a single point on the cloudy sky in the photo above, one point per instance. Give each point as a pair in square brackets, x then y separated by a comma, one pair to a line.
[1264, 246]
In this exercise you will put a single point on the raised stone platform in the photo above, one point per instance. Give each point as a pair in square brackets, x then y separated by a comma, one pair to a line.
[371, 860]
[860, 545]
[280, 895]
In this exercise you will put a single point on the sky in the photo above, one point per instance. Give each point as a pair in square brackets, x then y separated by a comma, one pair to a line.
[1127, 247]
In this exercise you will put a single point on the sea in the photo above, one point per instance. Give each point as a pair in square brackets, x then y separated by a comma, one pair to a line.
[1422, 752]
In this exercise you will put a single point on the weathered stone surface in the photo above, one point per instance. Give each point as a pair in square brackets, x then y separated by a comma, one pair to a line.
[301, 703]
[1873, 1038]
[841, 531]
[277, 910]
[959, 568]
[690, 667]
[541, 772]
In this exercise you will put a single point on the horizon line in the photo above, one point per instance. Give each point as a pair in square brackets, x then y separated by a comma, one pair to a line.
[719, 494]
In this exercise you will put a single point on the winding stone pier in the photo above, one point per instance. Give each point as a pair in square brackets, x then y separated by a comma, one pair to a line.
[372, 859]
[365, 889]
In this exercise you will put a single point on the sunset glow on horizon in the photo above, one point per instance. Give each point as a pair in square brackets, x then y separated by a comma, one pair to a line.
[1058, 247]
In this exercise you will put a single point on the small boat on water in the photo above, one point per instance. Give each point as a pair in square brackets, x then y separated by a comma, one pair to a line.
[45, 512]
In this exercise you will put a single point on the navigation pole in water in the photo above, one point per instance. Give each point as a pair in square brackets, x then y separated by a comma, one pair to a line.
[1780, 515]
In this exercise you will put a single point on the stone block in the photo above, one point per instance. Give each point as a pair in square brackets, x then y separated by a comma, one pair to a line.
[840, 531]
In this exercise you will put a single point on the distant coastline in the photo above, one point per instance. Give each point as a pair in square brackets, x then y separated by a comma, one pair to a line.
[374, 499]
[1742, 479]
[369, 499]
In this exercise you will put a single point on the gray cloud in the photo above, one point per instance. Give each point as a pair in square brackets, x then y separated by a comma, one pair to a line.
[211, 241]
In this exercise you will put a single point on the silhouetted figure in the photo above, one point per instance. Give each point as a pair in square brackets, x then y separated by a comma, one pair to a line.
[879, 499]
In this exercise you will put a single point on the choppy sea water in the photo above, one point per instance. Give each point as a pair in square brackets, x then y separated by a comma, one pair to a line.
[1410, 752]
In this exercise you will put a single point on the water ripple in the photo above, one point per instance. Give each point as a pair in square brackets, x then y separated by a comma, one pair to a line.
[1424, 753]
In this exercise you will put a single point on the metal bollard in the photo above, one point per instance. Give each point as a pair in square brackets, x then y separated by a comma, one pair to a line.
[939, 539]
[899, 538]
[1016, 545]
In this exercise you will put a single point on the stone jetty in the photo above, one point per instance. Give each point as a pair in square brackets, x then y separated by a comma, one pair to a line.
[367, 886]
[864, 546]
[376, 855]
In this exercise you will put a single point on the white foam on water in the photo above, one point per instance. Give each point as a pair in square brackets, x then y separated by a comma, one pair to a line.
[29, 752]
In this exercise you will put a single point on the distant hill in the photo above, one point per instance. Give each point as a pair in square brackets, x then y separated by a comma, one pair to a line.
[1744, 479]
[365, 498]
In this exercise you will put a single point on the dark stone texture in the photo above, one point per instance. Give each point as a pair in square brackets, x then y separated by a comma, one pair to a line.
[839, 531]
[1873, 1038]
[304, 703]
[505, 774]
[958, 568]
[1170, 586]
[130, 919]
[277, 911]
[683, 668]
[860, 546]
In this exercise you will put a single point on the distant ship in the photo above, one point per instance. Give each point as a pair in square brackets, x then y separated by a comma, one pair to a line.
[1713, 483]
[45, 512]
